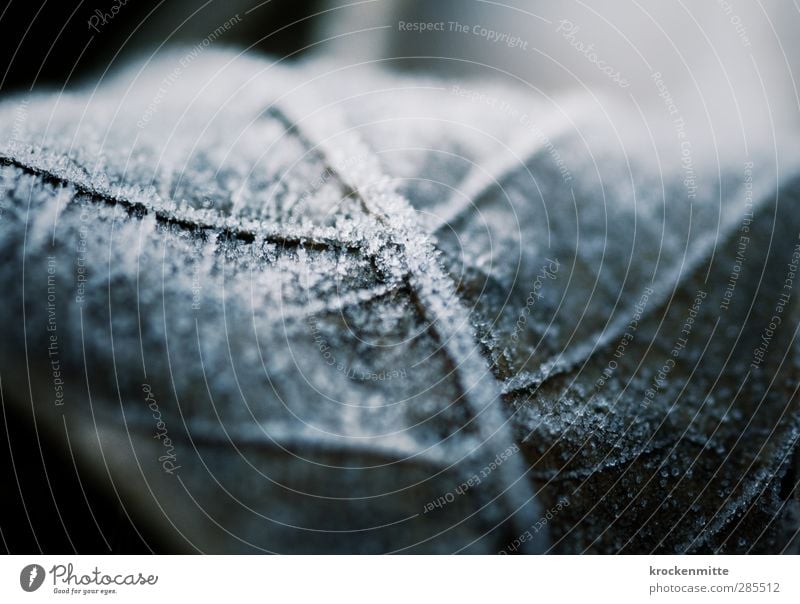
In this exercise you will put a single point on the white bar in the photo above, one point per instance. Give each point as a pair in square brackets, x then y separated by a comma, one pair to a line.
[408, 579]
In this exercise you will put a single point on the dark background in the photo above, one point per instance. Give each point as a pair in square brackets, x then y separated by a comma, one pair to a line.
[48, 44]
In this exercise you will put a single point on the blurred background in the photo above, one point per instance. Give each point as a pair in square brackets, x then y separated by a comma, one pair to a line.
[52, 42]
[726, 57]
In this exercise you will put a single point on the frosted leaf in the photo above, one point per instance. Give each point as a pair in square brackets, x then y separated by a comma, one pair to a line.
[320, 276]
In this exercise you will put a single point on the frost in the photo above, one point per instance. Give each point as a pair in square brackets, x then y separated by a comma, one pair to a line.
[324, 294]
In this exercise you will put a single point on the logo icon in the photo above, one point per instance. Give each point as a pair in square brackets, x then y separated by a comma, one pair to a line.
[31, 577]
